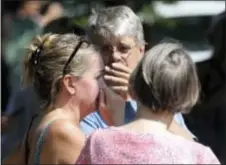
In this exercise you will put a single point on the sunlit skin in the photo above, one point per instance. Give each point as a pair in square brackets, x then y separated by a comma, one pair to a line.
[120, 55]
[64, 139]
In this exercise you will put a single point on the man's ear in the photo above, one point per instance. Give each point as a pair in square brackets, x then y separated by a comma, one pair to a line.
[69, 83]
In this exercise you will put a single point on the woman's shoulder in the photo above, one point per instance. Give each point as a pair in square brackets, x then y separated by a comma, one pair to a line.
[62, 127]
[110, 133]
[59, 129]
[208, 157]
[120, 140]
[117, 138]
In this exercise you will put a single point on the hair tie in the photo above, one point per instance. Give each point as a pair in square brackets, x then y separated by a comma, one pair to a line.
[36, 56]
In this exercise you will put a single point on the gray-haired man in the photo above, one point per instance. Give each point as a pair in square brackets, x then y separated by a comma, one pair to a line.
[119, 33]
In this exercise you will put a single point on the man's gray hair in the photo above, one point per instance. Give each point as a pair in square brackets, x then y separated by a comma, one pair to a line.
[119, 20]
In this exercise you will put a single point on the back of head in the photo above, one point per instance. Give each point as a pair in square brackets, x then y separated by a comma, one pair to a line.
[45, 62]
[118, 20]
[166, 79]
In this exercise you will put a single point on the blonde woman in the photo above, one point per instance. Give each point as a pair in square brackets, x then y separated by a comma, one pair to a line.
[65, 72]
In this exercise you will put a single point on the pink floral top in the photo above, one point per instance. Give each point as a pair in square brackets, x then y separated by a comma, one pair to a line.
[120, 146]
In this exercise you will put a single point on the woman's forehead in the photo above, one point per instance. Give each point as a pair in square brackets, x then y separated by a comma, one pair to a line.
[96, 62]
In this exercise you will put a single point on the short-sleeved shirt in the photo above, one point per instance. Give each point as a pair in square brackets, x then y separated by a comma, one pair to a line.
[94, 120]
[117, 145]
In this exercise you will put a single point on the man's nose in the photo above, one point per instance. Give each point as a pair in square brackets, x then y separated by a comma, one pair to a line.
[116, 56]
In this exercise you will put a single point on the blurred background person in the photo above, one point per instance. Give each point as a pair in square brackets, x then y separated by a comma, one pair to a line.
[5, 93]
[24, 25]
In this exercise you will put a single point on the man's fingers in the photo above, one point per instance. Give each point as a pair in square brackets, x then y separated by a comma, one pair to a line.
[116, 73]
[115, 80]
[121, 67]
[119, 89]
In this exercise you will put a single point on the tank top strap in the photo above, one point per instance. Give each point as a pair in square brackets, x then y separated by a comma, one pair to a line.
[40, 143]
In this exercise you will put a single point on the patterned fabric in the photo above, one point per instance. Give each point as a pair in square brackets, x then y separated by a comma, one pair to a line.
[120, 146]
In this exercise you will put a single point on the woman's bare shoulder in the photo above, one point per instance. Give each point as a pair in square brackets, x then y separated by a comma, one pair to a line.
[63, 128]
[63, 142]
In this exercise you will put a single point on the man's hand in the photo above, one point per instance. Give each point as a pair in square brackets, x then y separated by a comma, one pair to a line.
[117, 77]
[111, 107]
[104, 109]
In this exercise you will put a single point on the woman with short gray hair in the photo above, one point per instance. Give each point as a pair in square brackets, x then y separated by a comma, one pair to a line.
[164, 82]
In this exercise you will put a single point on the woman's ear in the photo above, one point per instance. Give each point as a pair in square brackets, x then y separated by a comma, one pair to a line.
[70, 84]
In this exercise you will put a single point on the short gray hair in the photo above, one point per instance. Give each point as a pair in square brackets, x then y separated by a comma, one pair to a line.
[119, 20]
[166, 79]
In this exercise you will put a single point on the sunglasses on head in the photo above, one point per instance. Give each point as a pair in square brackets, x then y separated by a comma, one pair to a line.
[81, 41]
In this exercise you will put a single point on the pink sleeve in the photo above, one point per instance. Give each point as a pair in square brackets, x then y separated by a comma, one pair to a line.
[210, 157]
[85, 156]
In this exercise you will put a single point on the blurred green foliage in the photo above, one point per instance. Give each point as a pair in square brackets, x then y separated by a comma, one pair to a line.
[80, 9]
[81, 20]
